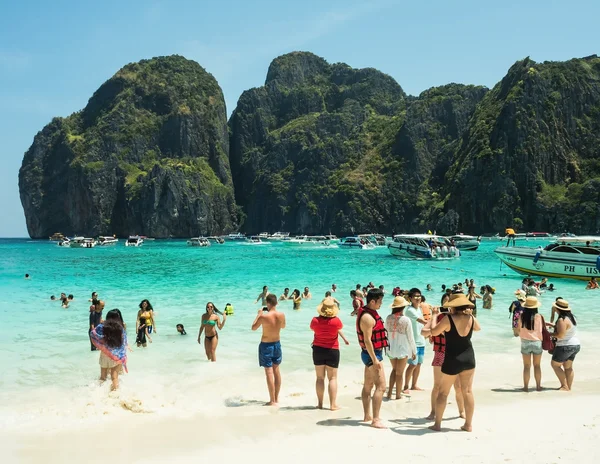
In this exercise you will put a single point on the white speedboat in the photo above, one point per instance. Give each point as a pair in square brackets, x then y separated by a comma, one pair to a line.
[356, 242]
[57, 237]
[198, 242]
[255, 240]
[65, 242]
[215, 239]
[571, 257]
[82, 242]
[236, 237]
[263, 235]
[298, 239]
[376, 239]
[279, 236]
[465, 242]
[107, 241]
[423, 246]
[134, 241]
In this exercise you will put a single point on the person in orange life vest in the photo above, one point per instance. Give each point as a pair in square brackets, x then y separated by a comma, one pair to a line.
[372, 338]
[510, 235]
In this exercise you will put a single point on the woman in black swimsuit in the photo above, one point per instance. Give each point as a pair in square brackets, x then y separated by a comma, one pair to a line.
[460, 357]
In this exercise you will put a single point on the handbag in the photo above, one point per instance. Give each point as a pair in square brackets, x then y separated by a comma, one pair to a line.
[547, 342]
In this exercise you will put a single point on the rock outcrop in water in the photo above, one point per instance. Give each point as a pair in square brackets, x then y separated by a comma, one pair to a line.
[147, 155]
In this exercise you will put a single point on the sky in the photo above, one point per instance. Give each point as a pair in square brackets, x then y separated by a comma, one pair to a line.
[54, 55]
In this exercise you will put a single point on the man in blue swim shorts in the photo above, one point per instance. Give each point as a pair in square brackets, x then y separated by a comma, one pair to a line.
[269, 350]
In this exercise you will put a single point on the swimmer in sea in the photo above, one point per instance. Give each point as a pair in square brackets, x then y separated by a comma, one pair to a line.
[180, 329]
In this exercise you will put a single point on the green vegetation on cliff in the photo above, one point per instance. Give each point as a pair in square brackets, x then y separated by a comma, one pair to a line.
[151, 149]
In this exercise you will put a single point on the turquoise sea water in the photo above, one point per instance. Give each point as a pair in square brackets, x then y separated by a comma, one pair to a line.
[45, 349]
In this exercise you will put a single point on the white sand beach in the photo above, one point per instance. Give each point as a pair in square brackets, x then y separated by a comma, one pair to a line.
[509, 426]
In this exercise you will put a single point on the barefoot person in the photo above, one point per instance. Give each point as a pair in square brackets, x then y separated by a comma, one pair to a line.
[567, 344]
[110, 338]
[459, 359]
[269, 350]
[402, 344]
[326, 349]
[439, 353]
[529, 328]
[209, 323]
[413, 312]
[372, 338]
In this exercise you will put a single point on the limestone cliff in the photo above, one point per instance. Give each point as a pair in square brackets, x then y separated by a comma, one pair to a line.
[147, 155]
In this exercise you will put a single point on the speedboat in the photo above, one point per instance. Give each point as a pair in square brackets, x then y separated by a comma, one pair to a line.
[279, 236]
[332, 238]
[134, 241]
[570, 257]
[356, 242]
[107, 241]
[465, 242]
[214, 239]
[82, 242]
[424, 246]
[255, 240]
[317, 240]
[65, 242]
[198, 242]
[237, 236]
[376, 239]
[298, 239]
[263, 235]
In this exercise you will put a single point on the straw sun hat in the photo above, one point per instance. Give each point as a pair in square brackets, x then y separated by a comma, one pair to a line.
[328, 308]
[562, 305]
[531, 302]
[458, 300]
[521, 295]
[399, 302]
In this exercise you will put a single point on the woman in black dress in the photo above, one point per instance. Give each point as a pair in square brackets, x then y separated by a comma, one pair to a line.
[459, 359]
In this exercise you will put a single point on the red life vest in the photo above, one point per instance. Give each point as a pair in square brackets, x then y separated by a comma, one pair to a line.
[379, 334]
[439, 341]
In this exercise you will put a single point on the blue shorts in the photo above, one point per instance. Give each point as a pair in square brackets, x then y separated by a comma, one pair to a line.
[269, 354]
[366, 359]
[420, 356]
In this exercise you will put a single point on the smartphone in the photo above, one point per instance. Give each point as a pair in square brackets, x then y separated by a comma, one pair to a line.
[265, 308]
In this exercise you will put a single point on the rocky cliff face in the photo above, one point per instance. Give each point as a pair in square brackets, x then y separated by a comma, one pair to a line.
[530, 157]
[147, 155]
[325, 147]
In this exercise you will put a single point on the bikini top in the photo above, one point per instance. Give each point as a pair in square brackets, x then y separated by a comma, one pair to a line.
[209, 322]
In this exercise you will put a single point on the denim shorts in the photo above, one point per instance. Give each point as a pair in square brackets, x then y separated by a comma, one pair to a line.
[565, 353]
[420, 356]
[531, 347]
[366, 359]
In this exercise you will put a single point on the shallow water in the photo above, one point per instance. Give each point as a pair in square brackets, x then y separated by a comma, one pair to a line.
[48, 367]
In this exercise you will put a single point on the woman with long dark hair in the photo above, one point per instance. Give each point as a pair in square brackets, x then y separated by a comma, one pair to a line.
[459, 359]
[297, 299]
[111, 339]
[209, 324]
[529, 328]
[144, 324]
[567, 344]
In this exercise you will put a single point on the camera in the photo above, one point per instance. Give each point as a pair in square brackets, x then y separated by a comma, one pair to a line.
[265, 308]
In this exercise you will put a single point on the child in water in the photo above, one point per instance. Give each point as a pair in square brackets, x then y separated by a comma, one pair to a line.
[180, 329]
[111, 339]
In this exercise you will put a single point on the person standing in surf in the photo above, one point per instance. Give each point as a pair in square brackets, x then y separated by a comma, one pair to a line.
[269, 350]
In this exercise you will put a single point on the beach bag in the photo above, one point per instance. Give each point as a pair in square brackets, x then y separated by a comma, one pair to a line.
[547, 342]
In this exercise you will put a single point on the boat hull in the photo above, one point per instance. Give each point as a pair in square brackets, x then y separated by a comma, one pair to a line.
[526, 260]
[468, 245]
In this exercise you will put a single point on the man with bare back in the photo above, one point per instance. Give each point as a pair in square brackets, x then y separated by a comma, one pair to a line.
[269, 350]
[372, 338]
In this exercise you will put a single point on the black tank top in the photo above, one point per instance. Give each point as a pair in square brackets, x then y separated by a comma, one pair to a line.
[459, 351]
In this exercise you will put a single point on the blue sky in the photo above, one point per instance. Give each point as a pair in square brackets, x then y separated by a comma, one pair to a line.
[54, 55]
